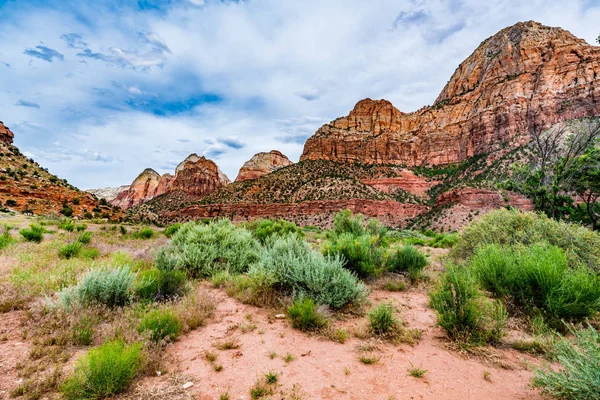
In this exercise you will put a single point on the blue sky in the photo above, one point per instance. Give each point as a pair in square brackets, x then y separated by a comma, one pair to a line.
[98, 91]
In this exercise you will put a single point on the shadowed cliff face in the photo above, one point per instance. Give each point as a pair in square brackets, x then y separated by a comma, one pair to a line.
[525, 77]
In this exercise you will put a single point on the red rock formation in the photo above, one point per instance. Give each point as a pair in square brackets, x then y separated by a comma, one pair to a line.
[6, 136]
[261, 164]
[196, 176]
[407, 181]
[527, 76]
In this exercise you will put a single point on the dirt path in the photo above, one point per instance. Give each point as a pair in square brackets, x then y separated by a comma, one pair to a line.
[323, 369]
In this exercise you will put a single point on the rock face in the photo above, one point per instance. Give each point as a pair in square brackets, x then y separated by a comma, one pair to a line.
[6, 136]
[261, 164]
[196, 176]
[109, 193]
[526, 77]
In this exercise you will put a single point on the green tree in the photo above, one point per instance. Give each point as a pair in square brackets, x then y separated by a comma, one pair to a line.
[584, 179]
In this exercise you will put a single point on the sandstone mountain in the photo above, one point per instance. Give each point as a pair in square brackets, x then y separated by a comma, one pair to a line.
[108, 193]
[436, 167]
[29, 188]
[195, 176]
[261, 164]
[526, 77]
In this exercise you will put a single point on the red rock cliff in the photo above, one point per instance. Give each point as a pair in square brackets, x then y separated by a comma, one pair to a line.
[261, 164]
[6, 136]
[527, 76]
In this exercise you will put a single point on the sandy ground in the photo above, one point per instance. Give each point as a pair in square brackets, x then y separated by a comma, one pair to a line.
[323, 369]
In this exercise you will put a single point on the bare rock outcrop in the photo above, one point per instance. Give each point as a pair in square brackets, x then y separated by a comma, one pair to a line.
[6, 136]
[261, 164]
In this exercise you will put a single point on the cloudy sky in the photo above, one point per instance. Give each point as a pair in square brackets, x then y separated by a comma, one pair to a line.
[99, 90]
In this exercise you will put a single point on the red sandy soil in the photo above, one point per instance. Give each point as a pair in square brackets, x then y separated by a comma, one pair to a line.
[324, 369]
[12, 349]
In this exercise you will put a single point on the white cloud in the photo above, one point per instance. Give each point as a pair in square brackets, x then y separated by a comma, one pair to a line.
[154, 86]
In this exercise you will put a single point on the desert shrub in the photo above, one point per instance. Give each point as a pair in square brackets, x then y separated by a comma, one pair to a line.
[89, 252]
[463, 312]
[104, 371]
[66, 224]
[123, 230]
[579, 377]
[382, 320]
[156, 284]
[202, 250]
[407, 259]
[538, 278]
[162, 324]
[255, 289]
[70, 250]
[262, 229]
[35, 233]
[81, 227]
[295, 268]
[345, 222]
[85, 238]
[83, 331]
[5, 240]
[304, 315]
[144, 233]
[511, 227]
[444, 240]
[108, 286]
[172, 229]
[361, 254]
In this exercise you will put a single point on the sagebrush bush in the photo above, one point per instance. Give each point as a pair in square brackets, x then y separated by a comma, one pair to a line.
[463, 312]
[144, 233]
[85, 238]
[35, 233]
[162, 324]
[304, 315]
[5, 240]
[262, 229]
[70, 250]
[538, 278]
[66, 224]
[361, 254]
[292, 266]
[579, 375]
[409, 260]
[112, 287]
[104, 371]
[156, 284]
[382, 320]
[172, 229]
[512, 227]
[202, 250]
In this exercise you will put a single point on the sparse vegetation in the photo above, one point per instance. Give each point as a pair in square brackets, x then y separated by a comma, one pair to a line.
[305, 315]
[408, 260]
[162, 324]
[35, 233]
[382, 320]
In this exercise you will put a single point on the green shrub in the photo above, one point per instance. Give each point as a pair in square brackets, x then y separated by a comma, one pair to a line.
[407, 259]
[202, 250]
[463, 312]
[155, 284]
[104, 371]
[81, 228]
[35, 233]
[70, 250]
[444, 240]
[579, 377]
[123, 230]
[507, 228]
[538, 278]
[108, 286]
[5, 240]
[292, 266]
[144, 233]
[66, 224]
[262, 229]
[345, 222]
[172, 229]
[382, 320]
[89, 252]
[161, 324]
[85, 238]
[305, 316]
[361, 254]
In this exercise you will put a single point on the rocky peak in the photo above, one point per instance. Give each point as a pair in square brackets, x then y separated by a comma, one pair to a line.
[261, 164]
[143, 188]
[526, 77]
[204, 163]
[6, 136]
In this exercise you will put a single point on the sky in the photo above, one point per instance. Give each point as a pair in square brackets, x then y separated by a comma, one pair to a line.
[97, 91]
